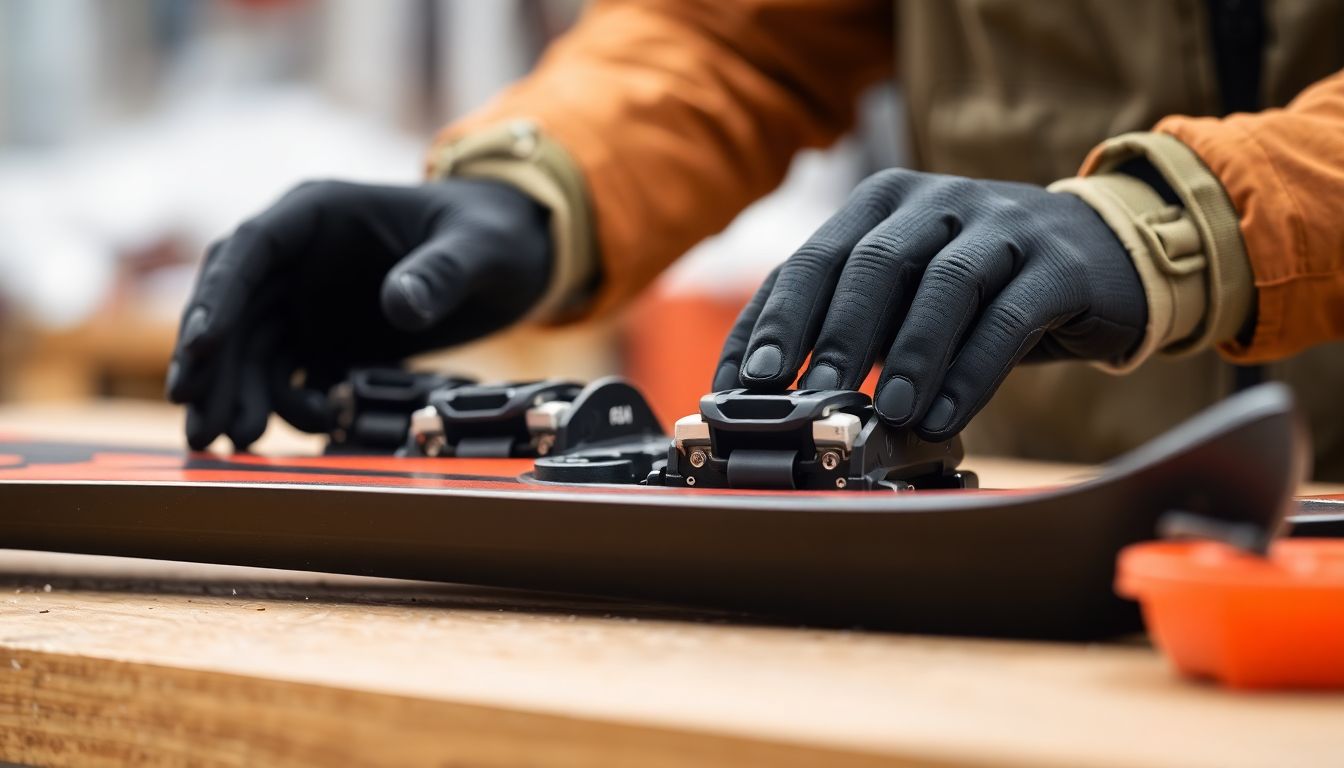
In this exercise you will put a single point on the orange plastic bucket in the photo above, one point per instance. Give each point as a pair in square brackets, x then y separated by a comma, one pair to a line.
[1246, 621]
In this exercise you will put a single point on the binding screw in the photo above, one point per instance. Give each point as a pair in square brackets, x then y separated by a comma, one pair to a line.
[690, 479]
[544, 444]
[830, 460]
[840, 482]
[697, 458]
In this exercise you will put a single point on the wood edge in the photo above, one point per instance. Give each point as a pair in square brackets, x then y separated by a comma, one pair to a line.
[62, 709]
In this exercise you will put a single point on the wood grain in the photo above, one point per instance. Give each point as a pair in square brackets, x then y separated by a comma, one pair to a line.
[67, 710]
[287, 664]
[107, 661]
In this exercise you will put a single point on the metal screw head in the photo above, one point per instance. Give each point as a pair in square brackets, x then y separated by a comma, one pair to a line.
[544, 444]
[830, 460]
[697, 458]
[840, 482]
[690, 480]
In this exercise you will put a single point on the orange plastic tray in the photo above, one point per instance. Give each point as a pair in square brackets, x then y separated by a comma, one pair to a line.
[1246, 621]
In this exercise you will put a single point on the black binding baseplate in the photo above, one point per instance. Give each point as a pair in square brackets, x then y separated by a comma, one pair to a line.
[371, 409]
[804, 439]
[529, 419]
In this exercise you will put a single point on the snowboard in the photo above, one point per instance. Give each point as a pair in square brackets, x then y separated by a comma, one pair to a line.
[1033, 563]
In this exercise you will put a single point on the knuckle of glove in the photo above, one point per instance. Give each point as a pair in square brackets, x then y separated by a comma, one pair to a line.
[877, 247]
[1005, 320]
[812, 261]
[958, 190]
[961, 268]
[887, 182]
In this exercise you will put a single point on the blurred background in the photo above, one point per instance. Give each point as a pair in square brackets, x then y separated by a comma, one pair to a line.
[133, 133]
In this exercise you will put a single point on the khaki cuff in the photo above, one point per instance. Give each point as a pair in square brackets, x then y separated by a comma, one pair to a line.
[1231, 287]
[1165, 248]
[519, 154]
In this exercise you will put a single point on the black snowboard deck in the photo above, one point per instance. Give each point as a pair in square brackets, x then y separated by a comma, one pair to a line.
[1027, 563]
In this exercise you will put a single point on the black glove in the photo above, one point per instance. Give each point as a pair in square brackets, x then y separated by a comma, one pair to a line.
[955, 280]
[336, 275]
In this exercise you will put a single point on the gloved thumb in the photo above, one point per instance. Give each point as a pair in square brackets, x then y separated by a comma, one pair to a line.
[427, 285]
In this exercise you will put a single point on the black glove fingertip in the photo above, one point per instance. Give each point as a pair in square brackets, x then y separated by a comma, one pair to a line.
[245, 431]
[764, 366]
[194, 336]
[407, 302]
[200, 433]
[249, 423]
[822, 376]
[940, 419]
[895, 400]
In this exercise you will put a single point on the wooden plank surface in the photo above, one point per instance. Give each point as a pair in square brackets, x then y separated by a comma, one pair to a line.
[109, 661]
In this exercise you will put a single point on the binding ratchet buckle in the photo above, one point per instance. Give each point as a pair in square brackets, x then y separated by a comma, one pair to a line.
[529, 419]
[805, 439]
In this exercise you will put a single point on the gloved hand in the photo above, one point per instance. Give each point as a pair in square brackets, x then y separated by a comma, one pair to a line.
[954, 281]
[336, 275]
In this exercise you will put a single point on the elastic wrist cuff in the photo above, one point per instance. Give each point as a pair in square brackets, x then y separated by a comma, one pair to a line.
[1165, 248]
[1231, 291]
[519, 154]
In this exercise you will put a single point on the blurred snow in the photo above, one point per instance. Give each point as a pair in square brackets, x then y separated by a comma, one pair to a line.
[130, 126]
[191, 171]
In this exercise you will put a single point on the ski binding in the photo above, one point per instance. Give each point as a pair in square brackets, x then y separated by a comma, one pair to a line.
[371, 409]
[530, 419]
[804, 439]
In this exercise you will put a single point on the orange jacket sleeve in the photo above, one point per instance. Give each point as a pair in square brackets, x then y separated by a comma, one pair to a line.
[679, 113]
[1283, 170]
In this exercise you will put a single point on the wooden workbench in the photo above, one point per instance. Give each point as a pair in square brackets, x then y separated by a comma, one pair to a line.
[106, 661]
